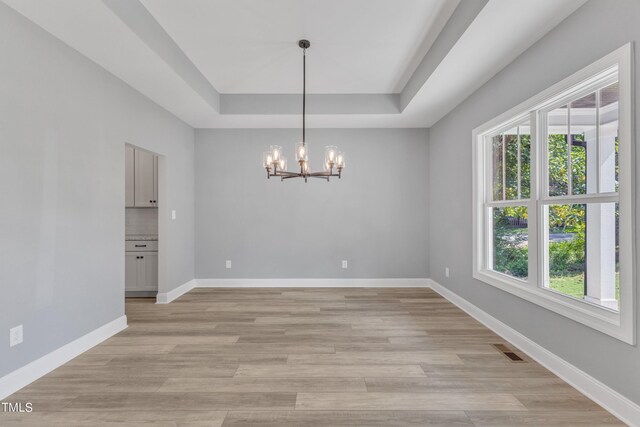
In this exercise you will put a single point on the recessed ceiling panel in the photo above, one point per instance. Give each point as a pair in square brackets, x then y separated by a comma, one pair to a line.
[250, 46]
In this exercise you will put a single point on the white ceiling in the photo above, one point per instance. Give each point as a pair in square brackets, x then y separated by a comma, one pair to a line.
[249, 46]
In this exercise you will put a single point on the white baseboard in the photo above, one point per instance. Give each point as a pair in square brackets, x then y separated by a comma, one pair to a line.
[623, 408]
[24, 376]
[312, 283]
[167, 297]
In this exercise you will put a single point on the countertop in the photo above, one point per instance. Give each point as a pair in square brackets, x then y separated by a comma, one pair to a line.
[145, 237]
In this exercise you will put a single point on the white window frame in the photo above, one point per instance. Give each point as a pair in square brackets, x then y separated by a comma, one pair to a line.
[621, 323]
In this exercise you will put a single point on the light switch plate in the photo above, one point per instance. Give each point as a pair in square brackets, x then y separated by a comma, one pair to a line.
[345, 264]
[228, 263]
[173, 214]
[446, 272]
[15, 336]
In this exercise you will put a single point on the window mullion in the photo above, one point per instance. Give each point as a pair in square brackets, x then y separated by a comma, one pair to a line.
[506, 203]
[534, 191]
[581, 199]
[519, 164]
[504, 168]
[489, 164]
[598, 141]
[569, 145]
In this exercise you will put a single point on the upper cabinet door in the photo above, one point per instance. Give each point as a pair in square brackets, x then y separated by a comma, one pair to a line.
[155, 180]
[129, 200]
[145, 185]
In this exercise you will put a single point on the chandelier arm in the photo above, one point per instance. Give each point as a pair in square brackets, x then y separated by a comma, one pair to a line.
[322, 174]
[287, 174]
[292, 176]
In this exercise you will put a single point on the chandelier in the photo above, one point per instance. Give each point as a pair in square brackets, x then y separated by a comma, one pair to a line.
[276, 164]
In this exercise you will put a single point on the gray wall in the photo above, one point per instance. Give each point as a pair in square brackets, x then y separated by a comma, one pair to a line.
[375, 216]
[63, 125]
[593, 31]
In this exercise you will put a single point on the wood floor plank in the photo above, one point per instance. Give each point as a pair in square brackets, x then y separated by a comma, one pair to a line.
[108, 349]
[141, 371]
[346, 419]
[111, 418]
[170, 340]
[41, 402]
[550, 418]
[457, 348]
[182, 401]
[409, 401]
[248, 384]
[565, 402]
[376, 358]
[310, 339]
[307, 371]
[255, 348]
[77, 385]
[549, 386]
[513, 370]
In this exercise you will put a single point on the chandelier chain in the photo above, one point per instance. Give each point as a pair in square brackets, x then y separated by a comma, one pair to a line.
[304, 93]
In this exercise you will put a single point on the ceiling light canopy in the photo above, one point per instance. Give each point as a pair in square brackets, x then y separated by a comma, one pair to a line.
[276, 164]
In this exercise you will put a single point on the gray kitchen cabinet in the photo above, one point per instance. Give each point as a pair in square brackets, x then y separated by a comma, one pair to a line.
[145, 179]
[141, 271]
[129, 156]
[141, 266]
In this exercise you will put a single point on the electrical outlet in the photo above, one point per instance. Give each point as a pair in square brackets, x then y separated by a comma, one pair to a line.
[173, 214]
[228, 263]
[15, 336]
[446, 272]
[345, 264]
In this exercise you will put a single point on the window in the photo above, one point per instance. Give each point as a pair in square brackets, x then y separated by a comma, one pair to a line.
[553, 198]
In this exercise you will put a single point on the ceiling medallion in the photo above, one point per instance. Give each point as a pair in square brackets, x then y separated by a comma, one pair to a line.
[276, 164]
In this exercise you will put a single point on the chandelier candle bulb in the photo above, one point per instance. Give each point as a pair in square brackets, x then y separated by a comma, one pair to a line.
[276, 151]
[302, 152]
[266, 159]
[330, 153]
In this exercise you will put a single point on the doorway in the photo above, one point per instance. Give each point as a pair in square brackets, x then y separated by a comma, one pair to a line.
[141, 222]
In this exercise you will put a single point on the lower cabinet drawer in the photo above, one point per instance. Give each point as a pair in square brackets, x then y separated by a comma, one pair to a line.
[141, 246]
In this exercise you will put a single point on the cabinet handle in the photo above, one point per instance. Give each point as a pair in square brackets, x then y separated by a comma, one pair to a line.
[141, 246]
[141, 257]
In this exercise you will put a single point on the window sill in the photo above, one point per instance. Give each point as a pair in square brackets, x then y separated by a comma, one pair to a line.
[600, 318]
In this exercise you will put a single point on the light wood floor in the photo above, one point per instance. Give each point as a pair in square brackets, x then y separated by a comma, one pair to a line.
[312, 357]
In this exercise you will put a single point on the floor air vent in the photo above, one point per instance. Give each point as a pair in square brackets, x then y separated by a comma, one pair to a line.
[508, 353]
